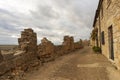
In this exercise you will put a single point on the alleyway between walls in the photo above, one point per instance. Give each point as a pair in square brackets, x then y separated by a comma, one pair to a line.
[80, 65]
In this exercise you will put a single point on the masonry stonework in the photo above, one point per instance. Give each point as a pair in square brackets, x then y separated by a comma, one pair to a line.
[1, 57]
[108, 17]
[68, 44]
[29, 55]
[46, 50]
[28, 41]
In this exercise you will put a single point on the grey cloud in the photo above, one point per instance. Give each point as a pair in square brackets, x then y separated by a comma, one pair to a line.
[45, 12]
[54, 20]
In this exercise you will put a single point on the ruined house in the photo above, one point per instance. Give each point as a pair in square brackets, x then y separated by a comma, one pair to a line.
[106, 33]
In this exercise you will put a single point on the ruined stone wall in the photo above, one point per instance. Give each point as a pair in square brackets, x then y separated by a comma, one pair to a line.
[1, 57]
[24, 58]
[28, 44]
[59, 50]
[72, 43]
[46, 50]
[28, 41]
[68, 44]
[30, 55]
[78, 45]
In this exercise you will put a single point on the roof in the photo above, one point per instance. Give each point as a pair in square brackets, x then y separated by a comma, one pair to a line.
[97, 12]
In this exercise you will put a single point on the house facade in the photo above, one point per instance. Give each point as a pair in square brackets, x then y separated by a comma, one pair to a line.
[106, 33]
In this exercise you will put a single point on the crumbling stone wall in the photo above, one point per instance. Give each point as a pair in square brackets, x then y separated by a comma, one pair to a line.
[72, 43]
[78, 45]
[28, 42]
[23, 59]
[59, 51]
[46, 50]
[28, 46]
[30, 55]
[1, 57]
[68, 44]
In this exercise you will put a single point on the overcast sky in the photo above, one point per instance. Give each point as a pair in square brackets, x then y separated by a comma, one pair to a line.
[49, 18]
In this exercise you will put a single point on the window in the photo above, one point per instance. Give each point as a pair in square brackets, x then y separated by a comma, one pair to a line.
[103, 37]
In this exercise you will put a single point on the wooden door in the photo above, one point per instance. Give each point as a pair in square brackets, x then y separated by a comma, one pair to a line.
[110, 39]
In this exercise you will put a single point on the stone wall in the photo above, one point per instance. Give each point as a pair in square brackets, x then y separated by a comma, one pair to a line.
[79, 44]
[28, 41]
[59, 50]
[46, 50]
[68, 44]
[30, 55]
[28, 46]
[1, 57]
[23, 59]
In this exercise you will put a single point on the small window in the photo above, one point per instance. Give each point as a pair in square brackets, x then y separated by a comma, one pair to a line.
[103, 37]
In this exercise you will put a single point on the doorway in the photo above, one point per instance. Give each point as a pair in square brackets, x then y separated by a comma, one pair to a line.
[110, 39]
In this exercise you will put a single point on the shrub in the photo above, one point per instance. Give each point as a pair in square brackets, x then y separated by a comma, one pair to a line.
[96, 49]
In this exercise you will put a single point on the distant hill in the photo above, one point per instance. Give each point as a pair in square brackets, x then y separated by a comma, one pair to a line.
[7, 47]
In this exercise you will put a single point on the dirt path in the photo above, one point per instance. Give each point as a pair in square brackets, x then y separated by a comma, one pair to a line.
[80, 65]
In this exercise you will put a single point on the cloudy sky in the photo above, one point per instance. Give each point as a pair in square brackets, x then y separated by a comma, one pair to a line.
[49, 18]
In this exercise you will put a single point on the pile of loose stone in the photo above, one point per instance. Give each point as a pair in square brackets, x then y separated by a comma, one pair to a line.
[30, 55]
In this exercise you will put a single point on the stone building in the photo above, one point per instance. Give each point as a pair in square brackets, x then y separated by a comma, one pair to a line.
[106, 33]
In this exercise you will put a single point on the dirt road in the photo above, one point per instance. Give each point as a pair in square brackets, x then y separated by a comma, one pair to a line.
[79, 65]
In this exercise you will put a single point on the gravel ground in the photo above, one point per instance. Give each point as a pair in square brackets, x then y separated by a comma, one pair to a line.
[79, 65]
